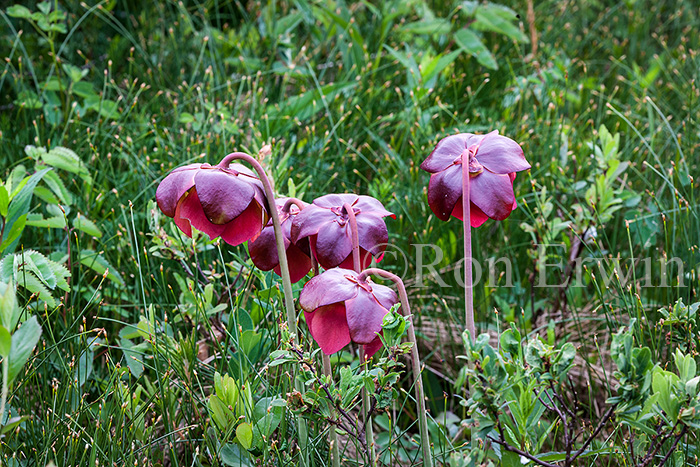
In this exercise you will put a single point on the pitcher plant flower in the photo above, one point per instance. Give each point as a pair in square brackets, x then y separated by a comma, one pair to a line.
[481, 191]
[340, 307]
[326, 224]
[226, 201]
[492, 161]
[263, 250]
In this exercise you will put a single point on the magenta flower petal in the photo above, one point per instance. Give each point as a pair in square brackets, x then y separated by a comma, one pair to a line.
[336, 200]
[384, 295]
[447, 150]
[372, 347]
[367, 205]
[444, 190]
[263, 250]
[330, 287]
[299, 263]
[332, 245]
[477, 216]
[309, 221]
[373, 235]
[174, 186]
[329, 327]
[365, 260]
[501, 155]
[493, 194]
[223, 196]
[189, 209]
[365, 316]
[245, 226]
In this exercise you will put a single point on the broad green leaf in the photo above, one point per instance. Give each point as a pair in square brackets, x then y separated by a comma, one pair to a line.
[9, 312]
[133, 356]
[471, 44]
[19, 11]
[4, 200]
[74, 73]
[35, 286]
[37, 220]
[13, 234]
[23, 342]
[84, 369]
[5, 342]
[86, 225]
[19, 207]
[231, 455]
[244, 435]
[500, 19]
[97, 263]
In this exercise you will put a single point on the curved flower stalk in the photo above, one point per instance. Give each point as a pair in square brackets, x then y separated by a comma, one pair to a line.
[340, 308]
[226, 201]
[263, 249]
[208, 197]
[415, 359]
[487, 183]
[326, 223]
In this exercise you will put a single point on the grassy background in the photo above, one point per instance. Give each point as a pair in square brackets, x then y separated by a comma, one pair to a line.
[349, 94]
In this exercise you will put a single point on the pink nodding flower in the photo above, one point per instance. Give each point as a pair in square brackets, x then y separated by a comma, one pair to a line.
[326, 224]
[227, 202]
[340, 309]
[493, 161]
[263, 250]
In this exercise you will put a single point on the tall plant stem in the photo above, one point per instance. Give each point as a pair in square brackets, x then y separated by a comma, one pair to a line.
[327, 371]
[466, 222]
[369, 430]
[415, 359]
[286, 280]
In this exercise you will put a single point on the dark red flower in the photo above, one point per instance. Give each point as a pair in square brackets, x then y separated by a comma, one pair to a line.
[340, 309]
[326, 224]
[227, 202]
[263, 250]
[493, 161]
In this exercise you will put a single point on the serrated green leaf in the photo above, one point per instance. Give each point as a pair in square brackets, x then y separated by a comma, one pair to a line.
[23, 342]
[86, 225]
[97, 263]
[66, 159]
[35, 286]
[61, 274]
[38, 264]
[56, 185]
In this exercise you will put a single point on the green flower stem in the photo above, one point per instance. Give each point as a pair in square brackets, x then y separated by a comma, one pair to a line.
[286, 281]
[415, 360]
[327, 370]
[466, 222]
[369, 430]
